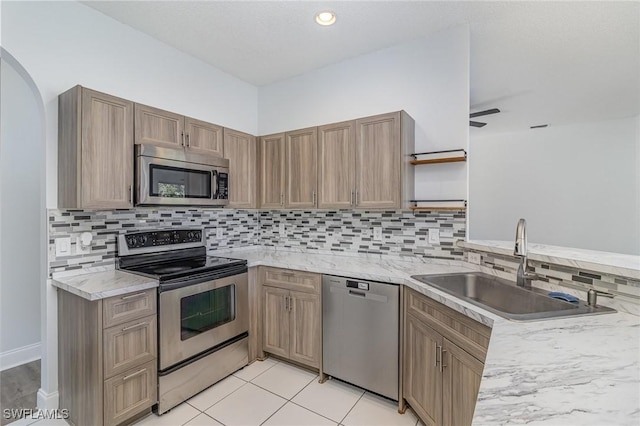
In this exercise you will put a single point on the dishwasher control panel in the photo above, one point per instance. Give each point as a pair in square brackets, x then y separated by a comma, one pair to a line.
[358, 284]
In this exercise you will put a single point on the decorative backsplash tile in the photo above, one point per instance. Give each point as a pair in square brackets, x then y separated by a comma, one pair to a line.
[625, 290]
[404, 233]
[239, 228]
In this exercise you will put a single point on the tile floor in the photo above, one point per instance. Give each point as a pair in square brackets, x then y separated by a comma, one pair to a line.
[274, 393]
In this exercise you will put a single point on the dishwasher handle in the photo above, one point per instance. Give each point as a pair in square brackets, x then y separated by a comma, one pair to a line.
[357, 293]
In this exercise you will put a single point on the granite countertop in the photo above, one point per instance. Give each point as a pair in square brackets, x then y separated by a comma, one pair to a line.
[103, 284]
[572, 371]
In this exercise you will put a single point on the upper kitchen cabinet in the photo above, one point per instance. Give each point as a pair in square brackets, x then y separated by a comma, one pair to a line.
[336, 165]
[301, 163]
[383, 176]
[272, 171]
[241, 151]
[364, 163]
[163, 128]
[95, 150]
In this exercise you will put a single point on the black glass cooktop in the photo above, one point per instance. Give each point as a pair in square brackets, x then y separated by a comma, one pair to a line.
[169, 270]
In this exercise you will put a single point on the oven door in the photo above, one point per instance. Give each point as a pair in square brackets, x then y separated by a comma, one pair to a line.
[198, 317]
[163, 181]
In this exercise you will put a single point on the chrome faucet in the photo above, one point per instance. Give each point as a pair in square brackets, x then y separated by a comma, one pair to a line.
[523, 278]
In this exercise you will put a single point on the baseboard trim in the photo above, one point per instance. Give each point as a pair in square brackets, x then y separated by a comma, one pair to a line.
[48, 401]
[19, 356]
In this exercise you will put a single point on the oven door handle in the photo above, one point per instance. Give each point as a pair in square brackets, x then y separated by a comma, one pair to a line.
[198, 279]
[214, 185]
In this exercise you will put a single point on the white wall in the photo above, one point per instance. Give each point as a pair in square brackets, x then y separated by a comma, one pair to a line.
[21, 190]
[577, 185]
[62, 44]
[428, 78]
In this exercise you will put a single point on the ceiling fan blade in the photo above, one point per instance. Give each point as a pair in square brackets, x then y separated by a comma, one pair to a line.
[476, 124]
[486, 112]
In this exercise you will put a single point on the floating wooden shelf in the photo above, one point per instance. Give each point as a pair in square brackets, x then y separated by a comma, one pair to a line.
[462, 156]
[415, 207]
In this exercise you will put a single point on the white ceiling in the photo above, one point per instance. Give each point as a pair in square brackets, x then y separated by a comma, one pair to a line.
[539, 62]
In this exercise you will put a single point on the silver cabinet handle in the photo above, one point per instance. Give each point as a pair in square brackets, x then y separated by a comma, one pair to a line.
[356, 196]
[182, 138]
[131, 194]
[282, 198]
[133, 296]
[435, 348]
[351, 199]
[313, 197]
[137, 373]
[290, 304]
[188, 140]
[286, 303]
[442, 365]
[131, 327]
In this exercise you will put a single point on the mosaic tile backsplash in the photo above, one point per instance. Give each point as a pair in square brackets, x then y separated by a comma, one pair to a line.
[403, 232]
[625, 290]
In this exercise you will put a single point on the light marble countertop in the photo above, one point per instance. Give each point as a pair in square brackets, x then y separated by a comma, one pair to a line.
[103, 284]
[574, 371]
[598, 261]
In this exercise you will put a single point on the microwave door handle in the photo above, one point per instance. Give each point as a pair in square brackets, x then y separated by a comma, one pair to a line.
[214, 184]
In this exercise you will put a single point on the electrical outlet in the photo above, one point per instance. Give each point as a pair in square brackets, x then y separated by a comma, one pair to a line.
[219, 234]
[475, 258]
[434, 236]
[282, 231]
[82, 249]
[63, 246]
[377, 233]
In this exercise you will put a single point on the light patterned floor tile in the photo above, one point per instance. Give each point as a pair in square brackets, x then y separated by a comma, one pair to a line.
[249, 405]
[332, 399]
[373, 410]
[177, 416]
[215, 393]
[284, 379]
[203, 420]
[252, 371]
[294, 415]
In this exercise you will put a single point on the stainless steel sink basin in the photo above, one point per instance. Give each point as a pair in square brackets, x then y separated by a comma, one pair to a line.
[505, 299]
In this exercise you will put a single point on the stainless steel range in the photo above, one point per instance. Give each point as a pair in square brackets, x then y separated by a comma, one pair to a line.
[203, 316]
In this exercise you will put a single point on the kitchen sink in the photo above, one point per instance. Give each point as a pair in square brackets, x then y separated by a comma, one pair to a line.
[504, 298]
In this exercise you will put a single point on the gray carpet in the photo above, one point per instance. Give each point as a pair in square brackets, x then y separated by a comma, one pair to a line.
[18, 388]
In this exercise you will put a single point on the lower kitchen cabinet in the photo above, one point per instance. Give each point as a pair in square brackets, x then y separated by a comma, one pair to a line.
[444, 354]
[292, 326]
[107, 351]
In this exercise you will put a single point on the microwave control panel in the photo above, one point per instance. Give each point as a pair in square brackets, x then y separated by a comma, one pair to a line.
[223, 186]
[163, 238]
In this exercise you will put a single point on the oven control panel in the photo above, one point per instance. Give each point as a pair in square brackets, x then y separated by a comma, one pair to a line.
[163, 238]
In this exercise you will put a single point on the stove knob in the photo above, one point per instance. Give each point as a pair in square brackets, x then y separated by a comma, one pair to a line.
[189, 236]
[197, 235]
[142, 240]
[131, 241]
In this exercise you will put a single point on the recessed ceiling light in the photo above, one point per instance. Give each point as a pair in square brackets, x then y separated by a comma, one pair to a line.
[326, 17]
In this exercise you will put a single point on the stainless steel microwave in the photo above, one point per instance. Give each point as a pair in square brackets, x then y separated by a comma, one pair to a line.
[175, 177]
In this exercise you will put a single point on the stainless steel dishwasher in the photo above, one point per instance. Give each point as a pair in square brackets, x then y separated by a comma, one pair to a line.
[360, 327]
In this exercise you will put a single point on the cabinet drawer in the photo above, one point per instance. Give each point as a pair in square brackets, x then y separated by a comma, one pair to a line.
[121, 309]
[470, 335]
[128, 345]
[307, 282]
[130, 393]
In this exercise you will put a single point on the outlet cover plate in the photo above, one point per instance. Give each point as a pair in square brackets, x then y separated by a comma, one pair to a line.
[434, 236]
[474, 258]
[63, 246]
[377, 233]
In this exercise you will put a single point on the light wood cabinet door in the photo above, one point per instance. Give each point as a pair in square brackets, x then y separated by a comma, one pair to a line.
[158, 127]
[121, 309]
[272, 169]
[461, 383]
[107, 151]
[306, 328]
[276, 321]
[301, 166]
[130, 393]
[203, 137]
[336, 165]
[422, 376]
[129, 344]
[241, 151]
[378, 162]
[306, 282]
